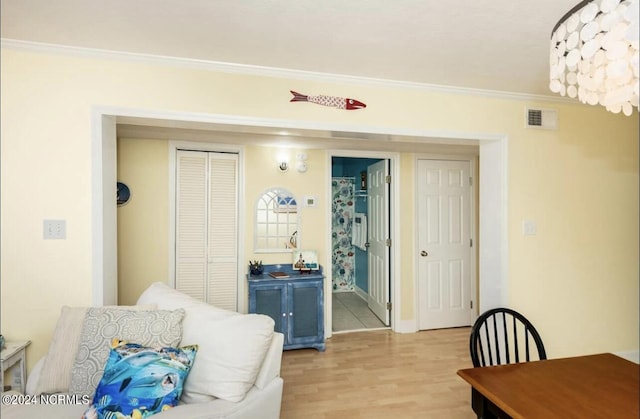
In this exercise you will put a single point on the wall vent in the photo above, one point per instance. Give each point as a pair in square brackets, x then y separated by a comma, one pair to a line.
[541, 118]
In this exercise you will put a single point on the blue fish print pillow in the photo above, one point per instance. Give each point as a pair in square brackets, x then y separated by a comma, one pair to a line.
[139, 381]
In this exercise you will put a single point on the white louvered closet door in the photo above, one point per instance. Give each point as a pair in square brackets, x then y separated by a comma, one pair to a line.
[207, 226]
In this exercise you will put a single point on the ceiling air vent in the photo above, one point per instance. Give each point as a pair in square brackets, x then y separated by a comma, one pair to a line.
[541, 118]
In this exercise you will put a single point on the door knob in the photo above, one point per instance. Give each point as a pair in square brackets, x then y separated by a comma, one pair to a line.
[424, 253]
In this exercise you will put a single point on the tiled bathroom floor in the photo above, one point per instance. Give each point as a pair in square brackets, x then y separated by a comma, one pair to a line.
[350, 312]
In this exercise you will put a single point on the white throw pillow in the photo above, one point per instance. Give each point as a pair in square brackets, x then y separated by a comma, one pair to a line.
[56, 369]
[166, 298]
[232, 346]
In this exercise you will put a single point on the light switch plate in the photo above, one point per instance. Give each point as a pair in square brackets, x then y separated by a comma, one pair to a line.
[529, 228]
[54, 229]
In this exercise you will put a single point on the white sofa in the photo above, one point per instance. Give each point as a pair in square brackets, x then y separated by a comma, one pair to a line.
[236, 373]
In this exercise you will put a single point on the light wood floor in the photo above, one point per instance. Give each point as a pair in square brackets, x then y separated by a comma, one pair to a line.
[380, 374]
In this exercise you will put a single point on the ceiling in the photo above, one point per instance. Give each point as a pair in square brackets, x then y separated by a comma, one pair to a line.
[497, 45]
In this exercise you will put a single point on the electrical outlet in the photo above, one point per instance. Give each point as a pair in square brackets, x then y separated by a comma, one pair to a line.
[54, 229]
[529, 228]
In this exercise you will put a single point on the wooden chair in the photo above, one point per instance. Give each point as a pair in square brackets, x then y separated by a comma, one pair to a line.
[503, 336]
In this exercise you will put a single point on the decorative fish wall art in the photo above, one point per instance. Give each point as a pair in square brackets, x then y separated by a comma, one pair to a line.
[336, 102]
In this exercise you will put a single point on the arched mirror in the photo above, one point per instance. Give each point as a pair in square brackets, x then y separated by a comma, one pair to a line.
[276, 222]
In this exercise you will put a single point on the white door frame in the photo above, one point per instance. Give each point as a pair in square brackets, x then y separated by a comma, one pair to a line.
[394, 227]
[493, 252]
[472, 226]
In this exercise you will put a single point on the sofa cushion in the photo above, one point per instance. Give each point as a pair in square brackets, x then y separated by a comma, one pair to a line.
[44, 410]
[166, 298]
[232, 346]
[231, 354]
[140, 381]
[56, 369]
[101, 325]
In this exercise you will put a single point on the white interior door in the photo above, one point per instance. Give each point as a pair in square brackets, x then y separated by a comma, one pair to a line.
[378, 228]
[444, 243]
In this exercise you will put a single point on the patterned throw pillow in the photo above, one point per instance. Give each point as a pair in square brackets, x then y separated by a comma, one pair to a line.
[140, 381]
[56, 371]
[102, 325]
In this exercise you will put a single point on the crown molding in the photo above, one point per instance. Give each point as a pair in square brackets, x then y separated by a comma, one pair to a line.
[263, 71]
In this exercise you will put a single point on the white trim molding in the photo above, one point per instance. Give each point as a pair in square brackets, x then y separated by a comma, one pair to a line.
[264, 71]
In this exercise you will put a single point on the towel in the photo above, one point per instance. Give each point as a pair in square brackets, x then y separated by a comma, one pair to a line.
[359, 231]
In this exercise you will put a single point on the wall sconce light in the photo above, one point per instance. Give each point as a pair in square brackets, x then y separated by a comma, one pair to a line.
[283, 161]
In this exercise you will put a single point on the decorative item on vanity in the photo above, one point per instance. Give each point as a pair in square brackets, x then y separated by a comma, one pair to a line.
[305, 261]
[256, 268]
[336, 102]
[594, 54]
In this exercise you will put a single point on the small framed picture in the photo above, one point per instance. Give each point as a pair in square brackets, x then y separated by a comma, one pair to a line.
[305, 260]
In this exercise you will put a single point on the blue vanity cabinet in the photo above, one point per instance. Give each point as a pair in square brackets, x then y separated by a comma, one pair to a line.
[296, 304]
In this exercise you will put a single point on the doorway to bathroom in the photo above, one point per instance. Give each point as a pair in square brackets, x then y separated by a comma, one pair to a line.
[360, 275]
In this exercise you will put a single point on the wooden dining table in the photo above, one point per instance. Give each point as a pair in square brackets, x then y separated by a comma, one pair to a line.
[591, 386]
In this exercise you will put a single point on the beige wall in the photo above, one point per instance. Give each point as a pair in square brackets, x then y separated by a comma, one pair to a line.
[261, 173]
[143, 233]
[143, 223]
[577, 279]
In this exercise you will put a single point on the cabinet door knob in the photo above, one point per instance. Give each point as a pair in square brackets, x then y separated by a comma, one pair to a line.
[424, 253]
[291, 314]
[284, 314]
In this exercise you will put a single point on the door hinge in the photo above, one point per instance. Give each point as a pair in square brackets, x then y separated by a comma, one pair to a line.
[388, 242]
[389, 305]
[387, 179]
[470, 242]
[470, 181]
[471, 304]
